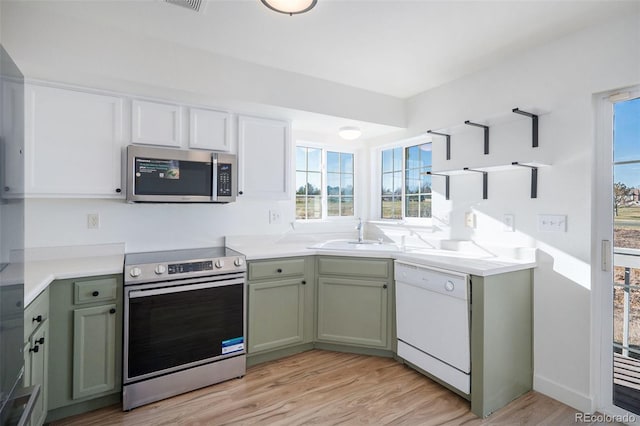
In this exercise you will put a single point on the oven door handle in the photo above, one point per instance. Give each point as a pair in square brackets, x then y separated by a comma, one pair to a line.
[180, 288]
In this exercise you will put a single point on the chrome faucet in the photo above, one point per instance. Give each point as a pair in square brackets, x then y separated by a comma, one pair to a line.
[360, 229]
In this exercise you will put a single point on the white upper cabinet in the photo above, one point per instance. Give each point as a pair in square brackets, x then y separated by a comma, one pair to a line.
[209, 129]
[156, 123]
[13, 125]
[73, 143]
[264, 157]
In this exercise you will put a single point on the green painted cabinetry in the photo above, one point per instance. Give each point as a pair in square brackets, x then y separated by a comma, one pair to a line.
[85, 354]
[36, 352]
[355, 301]
[280, 304]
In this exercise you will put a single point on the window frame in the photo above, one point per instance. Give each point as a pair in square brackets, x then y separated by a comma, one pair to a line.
[324, 193]
[377, 181]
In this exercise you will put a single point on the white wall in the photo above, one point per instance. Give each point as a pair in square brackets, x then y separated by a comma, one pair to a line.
[558, 81]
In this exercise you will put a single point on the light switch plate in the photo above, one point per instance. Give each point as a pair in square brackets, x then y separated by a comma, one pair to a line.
[470, 220]
[552, 223]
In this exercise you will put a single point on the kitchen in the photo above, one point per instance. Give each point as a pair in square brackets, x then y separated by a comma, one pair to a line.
[557, 77]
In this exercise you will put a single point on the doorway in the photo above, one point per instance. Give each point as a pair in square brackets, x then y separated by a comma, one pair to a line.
[618, 218]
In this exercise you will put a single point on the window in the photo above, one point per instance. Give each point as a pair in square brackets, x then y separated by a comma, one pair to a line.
[311, 193]
[392, 183]
[339, 184]
[309, 183]
[413, 162]
[417, 187]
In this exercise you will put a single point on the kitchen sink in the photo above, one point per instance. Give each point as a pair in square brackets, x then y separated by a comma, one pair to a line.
[349, 245]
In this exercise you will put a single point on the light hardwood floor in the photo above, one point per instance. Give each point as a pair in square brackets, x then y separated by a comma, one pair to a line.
[327, 388]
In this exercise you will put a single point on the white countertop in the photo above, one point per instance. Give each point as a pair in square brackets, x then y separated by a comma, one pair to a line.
[470, 263]
[43, 266]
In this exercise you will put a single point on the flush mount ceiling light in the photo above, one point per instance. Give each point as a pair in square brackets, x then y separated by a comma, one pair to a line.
[290, 7]
[349, 133]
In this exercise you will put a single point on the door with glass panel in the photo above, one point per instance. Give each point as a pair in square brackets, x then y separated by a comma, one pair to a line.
[626, 254]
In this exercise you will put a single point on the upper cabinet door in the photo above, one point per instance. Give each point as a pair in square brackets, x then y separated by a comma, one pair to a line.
[264, 157]
[209, 129]
[155, 123]
[73, 143]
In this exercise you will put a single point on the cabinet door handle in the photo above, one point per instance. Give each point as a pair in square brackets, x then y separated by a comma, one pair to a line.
[112, 310]
[304, 282]
[34, 349]
[118, 190]
[40, 341]
[95, 293]
[37, 319]
[384, 286]
[279, 270]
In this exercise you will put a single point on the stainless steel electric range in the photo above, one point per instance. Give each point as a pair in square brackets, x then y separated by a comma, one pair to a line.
[184, 322]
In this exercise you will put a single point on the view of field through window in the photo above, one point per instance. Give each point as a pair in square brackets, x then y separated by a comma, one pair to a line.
[626, 279]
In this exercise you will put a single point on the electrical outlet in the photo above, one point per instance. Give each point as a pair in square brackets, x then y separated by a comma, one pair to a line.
[508, 224]
[93, 221]
[470, 220]
[274, 217]
[552, 223]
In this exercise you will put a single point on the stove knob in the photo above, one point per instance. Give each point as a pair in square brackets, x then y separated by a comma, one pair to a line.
[160, 269]
[449, 286]
[219, 263]
[238, 262]
[135, 272]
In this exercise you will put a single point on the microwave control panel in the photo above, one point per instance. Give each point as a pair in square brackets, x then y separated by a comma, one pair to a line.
[224, 179]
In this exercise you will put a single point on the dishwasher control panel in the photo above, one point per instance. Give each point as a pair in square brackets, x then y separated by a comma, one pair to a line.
[433, 279]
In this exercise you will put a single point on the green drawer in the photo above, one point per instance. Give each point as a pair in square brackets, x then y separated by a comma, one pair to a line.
[353, 267]
[36, 313]
[275, 268]
[90, 291]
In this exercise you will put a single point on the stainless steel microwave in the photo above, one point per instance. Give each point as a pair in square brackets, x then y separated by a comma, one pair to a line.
[165, 175]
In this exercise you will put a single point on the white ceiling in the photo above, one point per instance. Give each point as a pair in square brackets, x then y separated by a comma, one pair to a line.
[398, 48]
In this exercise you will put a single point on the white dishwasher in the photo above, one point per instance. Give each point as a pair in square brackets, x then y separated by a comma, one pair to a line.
[432, 318]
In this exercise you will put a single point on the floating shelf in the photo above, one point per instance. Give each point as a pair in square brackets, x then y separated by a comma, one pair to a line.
[515, 165]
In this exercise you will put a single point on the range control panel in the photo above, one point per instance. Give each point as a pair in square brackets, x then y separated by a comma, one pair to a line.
[182, 268]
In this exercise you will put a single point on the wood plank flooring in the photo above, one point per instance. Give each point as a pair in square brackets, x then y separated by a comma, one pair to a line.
[328, 388]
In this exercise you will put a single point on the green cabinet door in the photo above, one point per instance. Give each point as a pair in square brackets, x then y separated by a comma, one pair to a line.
[94, 350]
[276, 314]
[37, 368]
[353, 311]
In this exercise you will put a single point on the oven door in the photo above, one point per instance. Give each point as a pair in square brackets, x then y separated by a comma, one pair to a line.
[176, 325]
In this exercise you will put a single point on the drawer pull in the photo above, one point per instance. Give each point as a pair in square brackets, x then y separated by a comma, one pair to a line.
[112, 310]
[279, 270]
[34, 349]
[304, 282]
[384, 286]
[37, 319]
[40, 341]
[95, 293]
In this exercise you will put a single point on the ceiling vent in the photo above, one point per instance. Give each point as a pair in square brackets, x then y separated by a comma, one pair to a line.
[195, 5]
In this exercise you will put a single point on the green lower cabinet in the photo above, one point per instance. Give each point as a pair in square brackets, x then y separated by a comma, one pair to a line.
[94, 350]
[280, 306]
[276, 314]
[35, 370]
[85, 354]
[36, 353]
[353, 311]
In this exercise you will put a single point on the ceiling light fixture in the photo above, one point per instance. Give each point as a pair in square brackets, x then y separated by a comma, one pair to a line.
[290, 7]
[349, 133]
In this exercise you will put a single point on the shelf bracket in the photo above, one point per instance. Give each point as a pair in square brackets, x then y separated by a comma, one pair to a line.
[446, 182]
[534, 125]
[448, 142]
[486, 134]
[534, 177]
[485, 179]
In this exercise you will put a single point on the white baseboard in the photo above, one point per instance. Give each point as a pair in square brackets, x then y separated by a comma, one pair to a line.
[579, 401]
